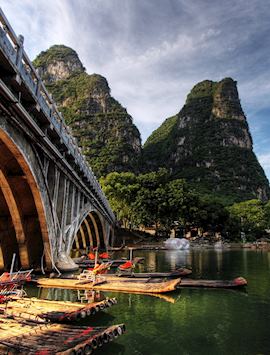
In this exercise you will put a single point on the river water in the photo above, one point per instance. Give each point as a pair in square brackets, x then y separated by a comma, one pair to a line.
[192, 321]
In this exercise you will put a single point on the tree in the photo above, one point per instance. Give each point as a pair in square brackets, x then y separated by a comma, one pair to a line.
[249, 217]
[151, 200]
[120, 189]
[267, 215]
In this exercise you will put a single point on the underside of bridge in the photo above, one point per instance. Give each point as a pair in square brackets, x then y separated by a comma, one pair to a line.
[22, 219]
[91, 233]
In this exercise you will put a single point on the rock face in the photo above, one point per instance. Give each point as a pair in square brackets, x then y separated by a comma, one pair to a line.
[58, 63]
[103, 128]
[209, 144]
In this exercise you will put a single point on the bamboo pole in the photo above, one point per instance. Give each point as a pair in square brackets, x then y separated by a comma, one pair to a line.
[12, 263]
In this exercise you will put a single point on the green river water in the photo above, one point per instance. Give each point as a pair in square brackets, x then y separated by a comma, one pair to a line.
[192, 321]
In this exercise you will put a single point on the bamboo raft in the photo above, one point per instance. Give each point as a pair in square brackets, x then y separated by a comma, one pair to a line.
[54, 311]
[239, 282]
[19, 336]
[118, 284]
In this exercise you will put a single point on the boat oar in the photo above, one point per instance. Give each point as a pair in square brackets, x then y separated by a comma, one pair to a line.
[96, 256]
[12, 263]
[130, 254]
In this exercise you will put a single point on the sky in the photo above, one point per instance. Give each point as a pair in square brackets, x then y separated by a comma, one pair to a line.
[153, 52]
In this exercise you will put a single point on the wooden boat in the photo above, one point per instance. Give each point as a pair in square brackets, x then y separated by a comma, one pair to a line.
[19, 336]
[235, 283]
[54, 311]
[118, 284]
[185, 282]
[168, 275]
[117, 248]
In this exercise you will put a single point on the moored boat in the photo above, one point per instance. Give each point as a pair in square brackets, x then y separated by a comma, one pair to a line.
[235, 283]
[168, 275]
[146, 285]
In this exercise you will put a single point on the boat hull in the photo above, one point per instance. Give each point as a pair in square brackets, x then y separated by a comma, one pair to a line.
[125, 285]
[168, 275]
[236, 283]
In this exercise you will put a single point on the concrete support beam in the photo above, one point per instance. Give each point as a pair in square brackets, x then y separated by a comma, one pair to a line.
[56, 186]
[89, 232]
[64, 262]
[46, 167]
[64, 212]
[77, 242]
[83, 237]
[96, 229]
[105, 229]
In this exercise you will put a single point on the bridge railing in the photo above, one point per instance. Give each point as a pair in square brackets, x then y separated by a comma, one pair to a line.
[12, 47]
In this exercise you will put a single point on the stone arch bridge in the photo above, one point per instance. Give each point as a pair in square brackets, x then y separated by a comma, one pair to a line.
[50, 199]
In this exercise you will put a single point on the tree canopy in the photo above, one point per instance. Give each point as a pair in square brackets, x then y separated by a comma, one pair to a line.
[153, 199]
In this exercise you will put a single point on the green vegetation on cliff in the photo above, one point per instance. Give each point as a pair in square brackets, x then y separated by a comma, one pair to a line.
[103, 128]
[54, 53]
[208, 143]
[161, 140]
[204, 89]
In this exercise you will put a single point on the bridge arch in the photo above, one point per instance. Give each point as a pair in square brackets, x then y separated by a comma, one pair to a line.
[23, 226]
[91, 232]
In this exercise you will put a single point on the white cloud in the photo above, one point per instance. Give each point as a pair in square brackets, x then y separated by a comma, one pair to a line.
[264, 159]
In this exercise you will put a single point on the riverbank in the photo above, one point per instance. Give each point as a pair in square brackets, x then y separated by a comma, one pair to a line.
[142, 240]
[160, 246]
[138, 240]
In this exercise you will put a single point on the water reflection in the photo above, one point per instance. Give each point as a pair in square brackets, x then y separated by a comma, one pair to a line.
[113, 348]
[245, 260]
[177, 258]
[193, 321]
[58, 294]
[152, 261]
[219, 257]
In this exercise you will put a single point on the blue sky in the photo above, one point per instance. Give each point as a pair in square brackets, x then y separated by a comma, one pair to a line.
[154, 51]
